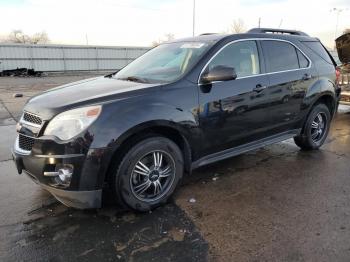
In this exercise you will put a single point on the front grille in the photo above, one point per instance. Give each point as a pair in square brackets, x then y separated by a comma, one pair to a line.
[32, 118]
[25, 142]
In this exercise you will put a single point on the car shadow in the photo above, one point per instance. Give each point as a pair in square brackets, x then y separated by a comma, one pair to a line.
[58, 233]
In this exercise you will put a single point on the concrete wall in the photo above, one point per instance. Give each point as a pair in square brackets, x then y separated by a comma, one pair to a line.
[67, 57]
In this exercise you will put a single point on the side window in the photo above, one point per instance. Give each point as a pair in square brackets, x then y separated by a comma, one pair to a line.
[303, 62]
[280, 56]
[242, 56]
[317, 48]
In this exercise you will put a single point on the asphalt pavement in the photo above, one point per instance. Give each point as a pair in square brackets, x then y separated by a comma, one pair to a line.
[273, 204]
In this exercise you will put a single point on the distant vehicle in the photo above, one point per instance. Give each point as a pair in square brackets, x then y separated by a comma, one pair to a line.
[182, 105]
[343, 73]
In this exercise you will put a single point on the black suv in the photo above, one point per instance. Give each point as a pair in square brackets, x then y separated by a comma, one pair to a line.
[182, 105]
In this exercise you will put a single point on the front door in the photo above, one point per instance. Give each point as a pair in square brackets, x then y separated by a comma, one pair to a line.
[234, 112]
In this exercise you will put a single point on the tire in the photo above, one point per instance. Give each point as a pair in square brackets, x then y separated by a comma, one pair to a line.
[315, 130]
[139, 183]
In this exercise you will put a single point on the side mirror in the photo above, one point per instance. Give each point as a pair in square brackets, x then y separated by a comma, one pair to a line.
[219, 73]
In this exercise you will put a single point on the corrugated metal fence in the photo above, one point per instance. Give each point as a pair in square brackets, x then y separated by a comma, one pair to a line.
[66, 57]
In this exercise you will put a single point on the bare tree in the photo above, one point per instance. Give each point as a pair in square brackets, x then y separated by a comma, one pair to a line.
[166, 38]
[18, 37]
[237, 26]
[40, 38]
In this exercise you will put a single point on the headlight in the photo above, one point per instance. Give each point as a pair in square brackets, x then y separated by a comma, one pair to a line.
[70, 123]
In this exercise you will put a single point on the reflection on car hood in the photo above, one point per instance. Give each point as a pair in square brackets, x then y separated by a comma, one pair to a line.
[85, 92]
[343, 48]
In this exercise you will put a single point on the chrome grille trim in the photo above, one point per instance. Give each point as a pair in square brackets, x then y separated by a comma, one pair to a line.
[24, 143]
[29, 123]
[32, 118]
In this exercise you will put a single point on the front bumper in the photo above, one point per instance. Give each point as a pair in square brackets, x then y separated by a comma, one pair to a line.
[76, 199]
[81, 199]
[90, 165]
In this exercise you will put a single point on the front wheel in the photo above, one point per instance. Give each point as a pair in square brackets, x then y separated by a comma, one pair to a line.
[149, 173]
[316, 128]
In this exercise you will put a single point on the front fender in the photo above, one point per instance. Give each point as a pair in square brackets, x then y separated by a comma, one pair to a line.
[120, 120]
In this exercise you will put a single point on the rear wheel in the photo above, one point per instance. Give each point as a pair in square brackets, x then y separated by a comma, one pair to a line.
[148, 174]
[316, 128]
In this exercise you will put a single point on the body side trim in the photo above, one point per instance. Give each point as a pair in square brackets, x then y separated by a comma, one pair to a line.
[244, 148]
[60, 156]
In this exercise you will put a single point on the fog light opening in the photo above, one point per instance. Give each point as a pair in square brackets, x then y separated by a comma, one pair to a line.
[64, 174]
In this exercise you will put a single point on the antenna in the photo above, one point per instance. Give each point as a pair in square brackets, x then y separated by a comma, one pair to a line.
[280, 23]
[193, 17]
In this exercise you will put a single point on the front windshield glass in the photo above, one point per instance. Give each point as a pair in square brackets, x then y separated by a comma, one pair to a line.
[164, 63]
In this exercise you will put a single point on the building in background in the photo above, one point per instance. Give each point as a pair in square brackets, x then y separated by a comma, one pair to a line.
[54, 58]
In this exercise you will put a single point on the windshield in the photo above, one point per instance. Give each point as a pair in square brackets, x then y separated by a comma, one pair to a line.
[164, 63]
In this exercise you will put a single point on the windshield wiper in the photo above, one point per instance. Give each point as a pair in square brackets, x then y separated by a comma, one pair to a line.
[111, 74]
[134, 79]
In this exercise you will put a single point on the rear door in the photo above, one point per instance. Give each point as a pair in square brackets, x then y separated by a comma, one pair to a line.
[290, 74]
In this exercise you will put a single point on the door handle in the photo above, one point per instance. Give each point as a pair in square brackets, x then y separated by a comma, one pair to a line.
[307, 77]
[258, 88]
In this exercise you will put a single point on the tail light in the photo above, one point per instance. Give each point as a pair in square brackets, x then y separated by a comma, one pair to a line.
[337, 76]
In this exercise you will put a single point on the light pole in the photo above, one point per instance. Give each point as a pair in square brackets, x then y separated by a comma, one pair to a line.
[193, 17]
[337, 11]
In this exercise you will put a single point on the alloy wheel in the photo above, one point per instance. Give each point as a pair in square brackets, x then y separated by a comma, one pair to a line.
[318, 127]
[152, 176]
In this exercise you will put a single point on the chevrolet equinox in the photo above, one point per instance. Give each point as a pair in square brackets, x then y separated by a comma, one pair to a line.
[182, 105]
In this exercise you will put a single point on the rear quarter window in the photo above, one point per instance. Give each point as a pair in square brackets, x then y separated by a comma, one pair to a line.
[303, 62]
[319, 50]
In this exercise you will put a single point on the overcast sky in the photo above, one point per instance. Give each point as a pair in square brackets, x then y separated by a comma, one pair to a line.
[139, 22]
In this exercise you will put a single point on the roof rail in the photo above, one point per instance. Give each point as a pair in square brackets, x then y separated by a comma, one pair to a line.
[208, 34]
[276, 31]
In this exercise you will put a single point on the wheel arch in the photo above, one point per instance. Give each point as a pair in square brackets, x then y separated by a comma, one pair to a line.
[329, 100]
[150, 129]
[322, 90]
[326, 98]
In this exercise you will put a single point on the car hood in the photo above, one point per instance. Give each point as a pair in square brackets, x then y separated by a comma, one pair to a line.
[81, 93]
[343, 48]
